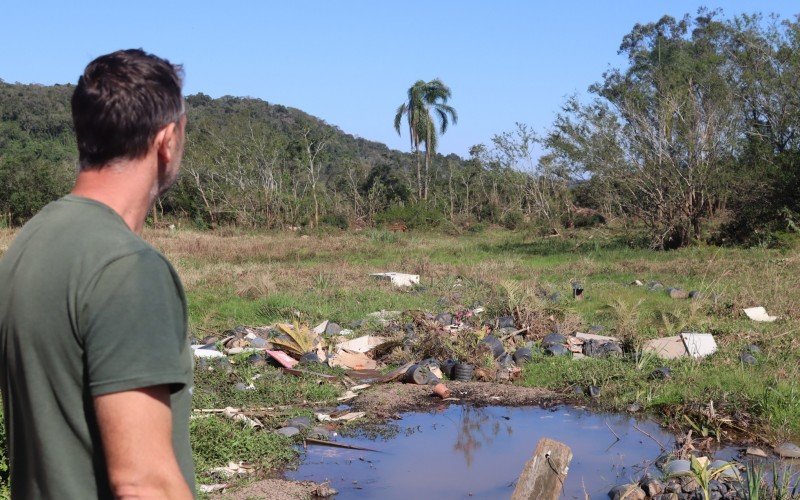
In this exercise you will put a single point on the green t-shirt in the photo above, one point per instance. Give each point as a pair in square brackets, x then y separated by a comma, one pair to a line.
[86, 308]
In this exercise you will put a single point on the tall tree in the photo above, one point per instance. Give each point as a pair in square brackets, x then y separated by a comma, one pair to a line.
[425, 98]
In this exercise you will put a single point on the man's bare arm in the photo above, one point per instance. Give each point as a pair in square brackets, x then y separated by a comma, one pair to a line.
[136, 429]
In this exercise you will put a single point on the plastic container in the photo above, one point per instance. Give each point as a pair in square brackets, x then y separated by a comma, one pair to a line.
[494, 345]
[417, 374]
[448, 368]
[523, 355]
[463, 372]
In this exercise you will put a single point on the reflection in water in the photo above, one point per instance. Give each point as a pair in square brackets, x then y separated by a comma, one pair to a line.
[479, 453]
[474, 433]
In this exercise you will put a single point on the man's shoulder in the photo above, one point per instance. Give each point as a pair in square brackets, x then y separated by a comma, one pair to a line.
[79, 235]
[85, 225]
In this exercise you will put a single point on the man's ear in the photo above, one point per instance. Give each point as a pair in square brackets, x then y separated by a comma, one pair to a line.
[165, 143]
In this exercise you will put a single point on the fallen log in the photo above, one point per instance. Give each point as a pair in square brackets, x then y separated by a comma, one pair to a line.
[544, 474]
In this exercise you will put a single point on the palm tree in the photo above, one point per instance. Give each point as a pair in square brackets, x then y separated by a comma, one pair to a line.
[424, 97]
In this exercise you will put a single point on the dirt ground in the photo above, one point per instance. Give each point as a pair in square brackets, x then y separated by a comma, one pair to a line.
[274, 489]
[387, 401]
[391, 399]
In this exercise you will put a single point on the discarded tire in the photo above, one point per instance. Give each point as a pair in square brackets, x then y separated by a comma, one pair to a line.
[463, 372]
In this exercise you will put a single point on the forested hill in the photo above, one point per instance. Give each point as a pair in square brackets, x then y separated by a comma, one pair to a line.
[247, 161]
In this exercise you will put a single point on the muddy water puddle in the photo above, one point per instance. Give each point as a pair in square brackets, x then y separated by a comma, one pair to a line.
[468, 452]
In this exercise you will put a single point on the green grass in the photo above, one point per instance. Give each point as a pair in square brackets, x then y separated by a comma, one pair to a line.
[216, 441]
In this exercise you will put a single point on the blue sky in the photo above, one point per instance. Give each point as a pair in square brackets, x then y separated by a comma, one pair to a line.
[350, 62]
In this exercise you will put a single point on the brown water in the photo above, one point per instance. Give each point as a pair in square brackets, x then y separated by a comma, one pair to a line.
[467, 452]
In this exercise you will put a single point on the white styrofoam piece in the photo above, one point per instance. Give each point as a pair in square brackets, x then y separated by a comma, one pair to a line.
[699, 345]
[206, 353]
[759, 314]
[398, 279]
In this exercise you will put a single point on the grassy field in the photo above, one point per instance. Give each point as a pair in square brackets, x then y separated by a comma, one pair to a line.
[237, 278]
[256, 279]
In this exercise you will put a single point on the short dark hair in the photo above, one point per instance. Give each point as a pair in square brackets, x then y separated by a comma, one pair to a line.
[121, 102]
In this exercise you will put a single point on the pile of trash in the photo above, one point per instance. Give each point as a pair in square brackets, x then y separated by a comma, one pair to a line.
[428, 348]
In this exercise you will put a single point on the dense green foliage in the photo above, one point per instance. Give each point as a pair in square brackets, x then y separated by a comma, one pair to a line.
[695, 139]
[701, 125]
[37, 148]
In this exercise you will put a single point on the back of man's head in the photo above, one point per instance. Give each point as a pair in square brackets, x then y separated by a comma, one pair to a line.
[121, 102]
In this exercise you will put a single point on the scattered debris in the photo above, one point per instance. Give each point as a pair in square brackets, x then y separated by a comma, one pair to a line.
[352, 360]
[699, 345]
[593, 336]
[239, 416]
[288, 431]
[398, 279]
[442, 391]
[577, 291]
[233, 469]
[352, 393]
[211, 488]
[666, 347]
[759, 314]
[284, 359]
[696, 345]
[201, 351]
[361, 344]
[756, 452]
[348, 416]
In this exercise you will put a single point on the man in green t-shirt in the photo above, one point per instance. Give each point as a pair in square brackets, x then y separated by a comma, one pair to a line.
[96, 368]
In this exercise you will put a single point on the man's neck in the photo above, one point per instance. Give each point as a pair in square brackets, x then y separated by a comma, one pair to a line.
[127, 186]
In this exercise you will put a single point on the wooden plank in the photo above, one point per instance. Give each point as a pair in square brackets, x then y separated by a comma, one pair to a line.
[544, 475]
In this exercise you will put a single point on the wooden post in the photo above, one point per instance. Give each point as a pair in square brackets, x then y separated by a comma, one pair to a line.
[545, 473]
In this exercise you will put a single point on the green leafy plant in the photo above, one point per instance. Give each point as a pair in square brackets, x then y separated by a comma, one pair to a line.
[704, 474]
